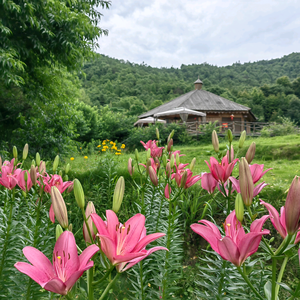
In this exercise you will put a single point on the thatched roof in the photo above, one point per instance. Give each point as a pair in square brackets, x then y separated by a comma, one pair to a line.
[200, 100]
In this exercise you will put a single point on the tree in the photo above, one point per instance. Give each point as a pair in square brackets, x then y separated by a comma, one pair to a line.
[38, 33]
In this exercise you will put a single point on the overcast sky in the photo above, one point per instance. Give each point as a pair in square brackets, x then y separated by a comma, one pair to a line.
[165, 33]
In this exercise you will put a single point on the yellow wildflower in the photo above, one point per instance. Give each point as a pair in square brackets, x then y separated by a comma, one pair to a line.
[119, 150]
[98, 146]
[80, 148]
[103, 149]
[123, 146]
[111, 142]
[117, 153]
[85, 157]
[72, 158]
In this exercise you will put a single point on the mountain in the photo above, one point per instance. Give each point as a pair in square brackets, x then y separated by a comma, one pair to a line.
[270, 87]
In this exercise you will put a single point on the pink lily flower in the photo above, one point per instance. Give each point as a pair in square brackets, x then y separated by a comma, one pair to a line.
[153, 164]
[167, 191]
[208, 182]
[279, 221]
[236, 186]
[22, 183]
[9, 176]
[155, 150]
[191, 180]
[221, 171]
[124, 244]
[67, 266]
[174, 153]
[236, 246]
[257, 172]
[57, 181]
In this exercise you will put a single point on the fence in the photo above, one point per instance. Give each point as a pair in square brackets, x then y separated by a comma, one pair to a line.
[252, 128]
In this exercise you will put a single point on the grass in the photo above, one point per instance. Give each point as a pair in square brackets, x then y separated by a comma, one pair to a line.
[279, 153]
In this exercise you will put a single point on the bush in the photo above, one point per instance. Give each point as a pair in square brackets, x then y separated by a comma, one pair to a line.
[148, 133]
[285, 127]
[207, 130]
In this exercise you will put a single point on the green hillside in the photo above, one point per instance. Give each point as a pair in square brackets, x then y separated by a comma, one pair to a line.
[269, 87]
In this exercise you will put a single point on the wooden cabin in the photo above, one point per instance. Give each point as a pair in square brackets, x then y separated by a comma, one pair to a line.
[228, 114]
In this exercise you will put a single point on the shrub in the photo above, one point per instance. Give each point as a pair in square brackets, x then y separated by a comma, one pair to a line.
[285, 127]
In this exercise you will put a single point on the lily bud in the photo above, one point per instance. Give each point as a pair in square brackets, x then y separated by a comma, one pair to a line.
[177, 159]
[15, 152]
[0, 162]
[164, 159]
[292, 207]
[70, 188]
[172, 161]
[215, 141]
[38, 159]
[157, 133]
[130, 167]
[148, 164]
[118, 194]
[33, 175]
[271, 240]
[60, 173]
[59, 207]
[168, 170]
[170, 144]
[239, 207]
[67, 168]
[229, 136]
[183, 179]
[78, 193]
[55, 163]
[192, 165]
[90, 209]
[26, 176]
[153, 176]
[42, 168]
[148, 153]
[170, 135]
[25, 151]
[136, 154]
[70, 228]
[66, 177]
[58, 231]
[246, 182]
[242, 139]
[156, 160]
[250, 153]
[33, 162]
[167, 191]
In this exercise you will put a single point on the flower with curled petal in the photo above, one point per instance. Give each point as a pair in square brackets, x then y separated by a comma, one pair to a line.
[124, 244]
[67, 266]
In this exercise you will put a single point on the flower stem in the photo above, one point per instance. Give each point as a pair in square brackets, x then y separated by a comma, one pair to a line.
[35, 237]
[249, 283]
[104, 277]
[280, 275]
[109, 287]
[273, 277]
[90, 276]
[7, 233]
[283, 245]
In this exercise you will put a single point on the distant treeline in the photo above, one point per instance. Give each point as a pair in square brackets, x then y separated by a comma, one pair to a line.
[271, 88]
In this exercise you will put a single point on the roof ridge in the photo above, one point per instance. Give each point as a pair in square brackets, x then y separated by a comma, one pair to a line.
[193, 92]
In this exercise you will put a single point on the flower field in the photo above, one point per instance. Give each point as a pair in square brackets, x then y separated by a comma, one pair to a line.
[117, 225]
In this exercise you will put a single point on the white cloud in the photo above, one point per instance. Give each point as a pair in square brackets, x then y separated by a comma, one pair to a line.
[163, 33]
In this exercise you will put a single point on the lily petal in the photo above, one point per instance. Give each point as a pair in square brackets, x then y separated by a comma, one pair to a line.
[228, 250]
[55, 285]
